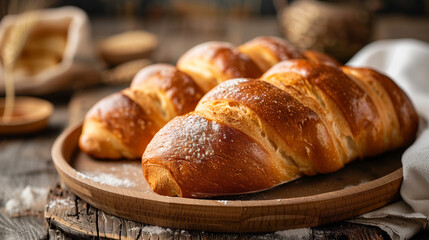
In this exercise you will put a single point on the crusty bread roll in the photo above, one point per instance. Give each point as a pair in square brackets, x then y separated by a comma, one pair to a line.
[121, 125]
[211, 63]
[300, 118]
[266, 51]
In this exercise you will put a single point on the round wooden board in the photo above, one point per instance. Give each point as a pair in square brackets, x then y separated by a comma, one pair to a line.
[118, 188]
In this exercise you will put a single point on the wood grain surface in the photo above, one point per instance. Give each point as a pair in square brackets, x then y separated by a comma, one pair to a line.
[25, 161]
[69, 216]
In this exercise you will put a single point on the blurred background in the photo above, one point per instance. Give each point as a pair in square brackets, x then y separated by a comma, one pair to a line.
[339, 28]
[162, 30]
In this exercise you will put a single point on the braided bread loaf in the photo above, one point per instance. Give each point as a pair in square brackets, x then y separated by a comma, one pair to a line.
[300, 118]
[121, 125]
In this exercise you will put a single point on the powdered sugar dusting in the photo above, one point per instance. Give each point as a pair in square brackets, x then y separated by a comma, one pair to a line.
[199, 136]
[107, 179]
[234, 82]
[113, 174]
[230, 87]
[235, 89]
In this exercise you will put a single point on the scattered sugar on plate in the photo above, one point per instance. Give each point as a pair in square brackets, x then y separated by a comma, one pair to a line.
[107, 179]
[361, 182]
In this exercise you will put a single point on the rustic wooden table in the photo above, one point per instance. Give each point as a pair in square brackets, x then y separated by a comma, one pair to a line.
[26, 160]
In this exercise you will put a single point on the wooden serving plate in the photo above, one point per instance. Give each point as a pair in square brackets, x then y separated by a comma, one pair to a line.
[118, 188]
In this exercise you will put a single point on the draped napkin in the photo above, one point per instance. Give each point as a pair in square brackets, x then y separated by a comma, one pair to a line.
[406, 61]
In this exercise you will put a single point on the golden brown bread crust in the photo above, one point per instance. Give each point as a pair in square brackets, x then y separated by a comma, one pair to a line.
[320, 57]
[342, 96]
[181, 89]
[303, 118]
[266, 51]
[302, 136]
[194, 150]
[121, 125]
[211, 63]
[164, 91]
[405, 113]
[116, 127]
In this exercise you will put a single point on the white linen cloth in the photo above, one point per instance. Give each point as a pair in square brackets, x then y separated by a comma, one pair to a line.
[406, 61]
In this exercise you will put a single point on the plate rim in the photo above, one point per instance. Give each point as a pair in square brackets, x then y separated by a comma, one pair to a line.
[63, 167]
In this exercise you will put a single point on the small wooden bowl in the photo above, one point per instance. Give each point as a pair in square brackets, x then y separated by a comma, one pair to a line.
[127, 46]
[29, 115]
